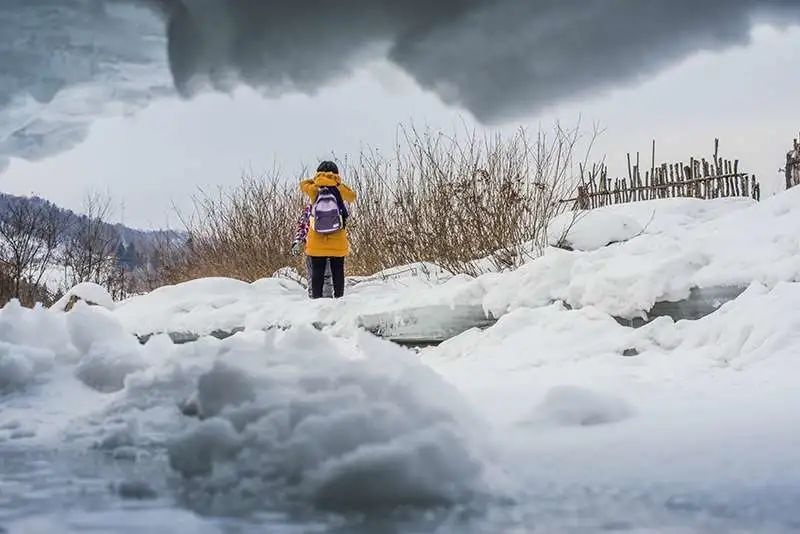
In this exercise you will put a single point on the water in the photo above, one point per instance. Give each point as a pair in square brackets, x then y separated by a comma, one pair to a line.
[75, 491]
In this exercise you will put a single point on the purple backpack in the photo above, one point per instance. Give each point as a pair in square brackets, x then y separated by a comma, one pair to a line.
[326, 212]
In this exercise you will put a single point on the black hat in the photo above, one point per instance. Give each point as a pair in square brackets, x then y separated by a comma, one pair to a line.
[328, 166]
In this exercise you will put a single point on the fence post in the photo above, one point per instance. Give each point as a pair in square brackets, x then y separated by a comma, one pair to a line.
[582, 198]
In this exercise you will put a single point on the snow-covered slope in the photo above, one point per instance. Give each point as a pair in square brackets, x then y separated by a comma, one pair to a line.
[679, 244]
[556, 416]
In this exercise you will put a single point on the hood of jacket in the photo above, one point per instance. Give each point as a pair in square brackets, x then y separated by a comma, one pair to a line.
[327, 179]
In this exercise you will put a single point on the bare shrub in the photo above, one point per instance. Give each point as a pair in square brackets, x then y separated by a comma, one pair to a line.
[445, 199]
[243, 233]
[451, 200]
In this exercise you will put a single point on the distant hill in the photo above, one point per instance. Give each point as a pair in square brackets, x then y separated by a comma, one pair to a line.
[133, 245]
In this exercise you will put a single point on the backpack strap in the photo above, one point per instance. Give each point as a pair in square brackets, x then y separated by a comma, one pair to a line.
[342, 206]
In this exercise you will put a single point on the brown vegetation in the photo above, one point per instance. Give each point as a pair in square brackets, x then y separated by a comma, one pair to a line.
[438, 198]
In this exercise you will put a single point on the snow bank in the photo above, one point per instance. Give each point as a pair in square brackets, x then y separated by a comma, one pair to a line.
[37, 328]
[109, 352]
[662, 250]
[88, 292]
[204, 305]
[302, 417]
[718, 243]
[760, 326]
[530, 351]
[33, 340]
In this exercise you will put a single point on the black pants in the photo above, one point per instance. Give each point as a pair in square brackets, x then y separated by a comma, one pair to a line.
[318, 276]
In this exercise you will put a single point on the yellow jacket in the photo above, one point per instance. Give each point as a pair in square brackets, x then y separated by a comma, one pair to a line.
[333, 245]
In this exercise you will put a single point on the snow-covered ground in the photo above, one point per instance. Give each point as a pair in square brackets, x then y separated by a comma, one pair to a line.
[556, 418]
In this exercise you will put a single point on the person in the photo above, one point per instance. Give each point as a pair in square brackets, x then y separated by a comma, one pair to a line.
[327, 241]
[298, 244]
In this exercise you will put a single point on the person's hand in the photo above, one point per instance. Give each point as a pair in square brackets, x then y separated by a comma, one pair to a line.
[295, 249]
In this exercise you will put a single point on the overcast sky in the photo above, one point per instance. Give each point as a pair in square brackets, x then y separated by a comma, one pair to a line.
[159, 156]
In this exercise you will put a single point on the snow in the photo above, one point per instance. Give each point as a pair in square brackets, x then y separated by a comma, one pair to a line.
[361, 426]
[718, 243]
[27, 328]
[575, 406]
[660, 250]
[20, 366]
[557, 402]
[105, 367]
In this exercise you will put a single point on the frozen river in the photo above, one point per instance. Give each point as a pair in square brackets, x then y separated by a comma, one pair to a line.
[77, 492]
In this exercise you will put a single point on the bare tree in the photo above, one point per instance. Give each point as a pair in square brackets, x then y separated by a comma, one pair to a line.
[31, 231]
[90, 249]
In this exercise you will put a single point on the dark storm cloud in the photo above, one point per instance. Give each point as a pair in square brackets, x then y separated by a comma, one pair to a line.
[495, 57]
[64, 63]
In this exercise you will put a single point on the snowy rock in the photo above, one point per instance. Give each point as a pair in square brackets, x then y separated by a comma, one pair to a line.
[88, 292]
[590, 230]
[575, 406]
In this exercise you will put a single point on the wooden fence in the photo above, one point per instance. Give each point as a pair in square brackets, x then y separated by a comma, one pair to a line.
[699, 178]
[793, 165]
